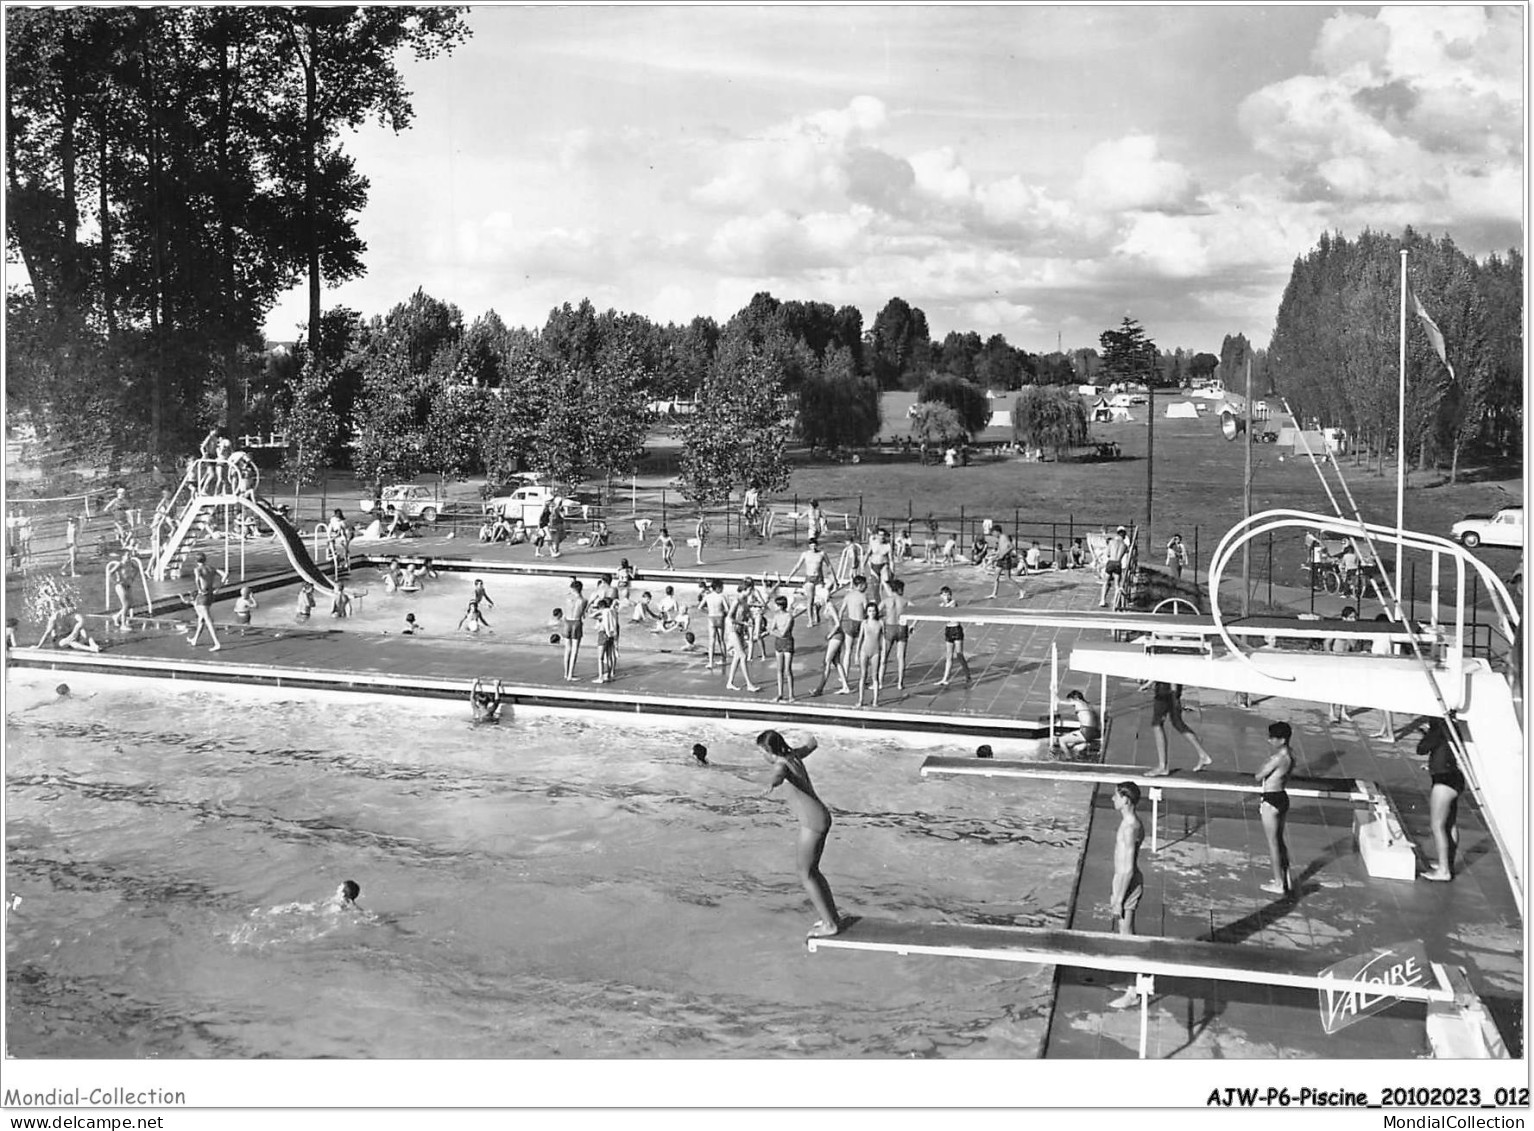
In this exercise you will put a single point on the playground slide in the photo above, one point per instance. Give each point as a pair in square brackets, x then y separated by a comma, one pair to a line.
[292, 541]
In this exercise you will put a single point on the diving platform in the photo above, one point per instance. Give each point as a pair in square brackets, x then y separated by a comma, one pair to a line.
[1216, 781]
[1150, 956]
[1388, 853]
[1386, 683]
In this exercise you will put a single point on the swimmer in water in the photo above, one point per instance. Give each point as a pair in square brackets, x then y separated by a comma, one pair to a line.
[486, 703]
[345, 898]
[814, 823]
[700, 753]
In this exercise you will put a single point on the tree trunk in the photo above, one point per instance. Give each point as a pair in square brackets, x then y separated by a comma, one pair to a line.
[311, 173]
[157, 296]
[233, 390]
[108, 305]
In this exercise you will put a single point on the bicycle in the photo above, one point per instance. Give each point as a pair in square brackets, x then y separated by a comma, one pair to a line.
[1326, 576]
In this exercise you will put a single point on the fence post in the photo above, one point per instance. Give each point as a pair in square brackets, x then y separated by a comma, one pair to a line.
[962, 541]
[1270, 571]
[1412, 581]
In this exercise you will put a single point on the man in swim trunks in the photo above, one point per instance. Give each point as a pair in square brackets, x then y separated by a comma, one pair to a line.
[780, 627]
[1166, 706]
[813, 563]
[575, 612]
[716, 606]
[1088, 732]
[852, 609]
[1128, 883]
[202, 600]
[896, 634]
[953, 640]
[1274, 808]
[1113, 564]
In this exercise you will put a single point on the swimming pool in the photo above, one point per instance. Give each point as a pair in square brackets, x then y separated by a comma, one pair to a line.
[547, 887]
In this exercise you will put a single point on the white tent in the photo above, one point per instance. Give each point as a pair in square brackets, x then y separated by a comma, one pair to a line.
[1101, 411]
[1182, 410]
[1087, 390]
[1120, 412]
[1001, 418]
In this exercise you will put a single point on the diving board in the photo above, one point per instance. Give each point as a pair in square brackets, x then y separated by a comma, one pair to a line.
[1144, 956]
[1098, 950]
[1385, 683]
[1341, 789]
[1291, 628]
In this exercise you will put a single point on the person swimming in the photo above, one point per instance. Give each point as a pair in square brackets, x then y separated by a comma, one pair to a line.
[345, 897]
[700, 753]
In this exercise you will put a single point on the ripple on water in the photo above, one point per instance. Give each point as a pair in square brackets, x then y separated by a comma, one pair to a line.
[171, 851]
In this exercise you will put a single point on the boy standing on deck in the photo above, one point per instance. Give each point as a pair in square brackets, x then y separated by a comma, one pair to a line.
[814, 824]
[1274, 806]
[1128, 883]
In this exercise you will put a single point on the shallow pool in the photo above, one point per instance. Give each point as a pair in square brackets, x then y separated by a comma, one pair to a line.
[541, 888]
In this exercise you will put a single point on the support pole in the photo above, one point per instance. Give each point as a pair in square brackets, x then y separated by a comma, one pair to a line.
[1246, 499]
[1401, 443]
[1054, 688]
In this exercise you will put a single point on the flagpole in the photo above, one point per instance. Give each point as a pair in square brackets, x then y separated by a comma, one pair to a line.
[1401, 444]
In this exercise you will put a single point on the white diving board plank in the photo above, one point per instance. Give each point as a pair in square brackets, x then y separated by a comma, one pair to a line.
[1342, 789]
[1183, 625]
[1152, 955]
[1387, 683]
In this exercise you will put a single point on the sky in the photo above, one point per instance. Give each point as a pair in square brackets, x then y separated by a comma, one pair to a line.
[1038, 172]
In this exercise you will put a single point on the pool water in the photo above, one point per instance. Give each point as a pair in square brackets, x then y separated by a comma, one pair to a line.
[541, 888]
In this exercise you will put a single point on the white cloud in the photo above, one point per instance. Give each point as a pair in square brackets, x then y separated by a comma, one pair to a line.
[1129, 173]
[939, 175]
[1416, 106]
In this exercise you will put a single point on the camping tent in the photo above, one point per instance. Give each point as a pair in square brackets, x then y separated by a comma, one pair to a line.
[1333, 440]
[1119, 412]
[1000, 418]
[1182, 410]
[1102, 411]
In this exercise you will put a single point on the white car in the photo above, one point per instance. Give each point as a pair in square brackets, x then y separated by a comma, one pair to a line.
[1505, 528]
[527, 503]
[410, 499]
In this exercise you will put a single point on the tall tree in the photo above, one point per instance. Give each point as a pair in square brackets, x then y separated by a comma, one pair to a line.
[740, 432]
[343, 72]
[1128, 354]
[837, 406]
[899, 345]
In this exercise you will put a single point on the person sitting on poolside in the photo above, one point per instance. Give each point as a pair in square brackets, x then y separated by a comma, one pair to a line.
[644, 611]
[78, 638]
[1088, 733]
[486, 703]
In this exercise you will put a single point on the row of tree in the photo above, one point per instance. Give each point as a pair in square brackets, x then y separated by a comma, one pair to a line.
[1335, 348]
[169, 172]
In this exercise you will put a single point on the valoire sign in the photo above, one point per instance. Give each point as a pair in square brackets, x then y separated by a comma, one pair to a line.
[1400, 964]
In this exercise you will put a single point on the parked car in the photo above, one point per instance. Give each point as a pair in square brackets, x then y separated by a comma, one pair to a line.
[527, 503]
[1505, 528]
[413, 500]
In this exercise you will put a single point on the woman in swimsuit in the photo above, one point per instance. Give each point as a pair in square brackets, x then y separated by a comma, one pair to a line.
[814, 823]
[870, 652]
[1443, 800]
[473, 620]
[1274, 807]
[781, 627]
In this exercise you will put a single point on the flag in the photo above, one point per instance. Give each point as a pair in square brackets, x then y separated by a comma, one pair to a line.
[1434, 334]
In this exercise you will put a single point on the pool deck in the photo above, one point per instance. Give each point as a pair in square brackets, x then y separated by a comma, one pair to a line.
[1201, 883]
